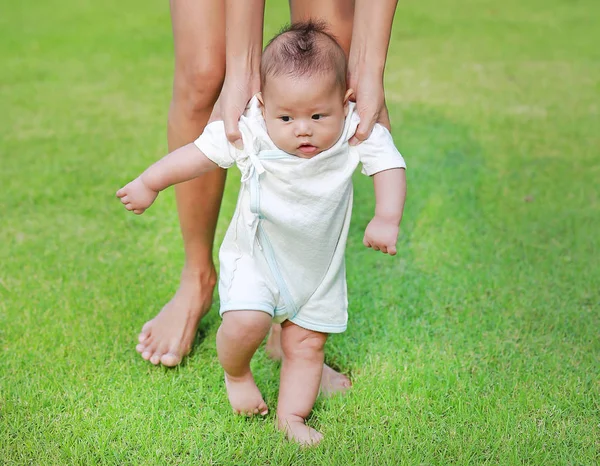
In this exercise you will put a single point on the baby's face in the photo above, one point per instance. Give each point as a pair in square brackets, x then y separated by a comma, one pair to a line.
[304, 115]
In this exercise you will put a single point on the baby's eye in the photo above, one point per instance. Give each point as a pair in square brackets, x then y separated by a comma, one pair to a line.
[316, 116]
[285, 118]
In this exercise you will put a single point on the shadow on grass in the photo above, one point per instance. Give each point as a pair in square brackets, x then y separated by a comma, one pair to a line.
[389, 295]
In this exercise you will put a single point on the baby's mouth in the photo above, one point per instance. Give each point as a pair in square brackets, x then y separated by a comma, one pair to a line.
[307, 149]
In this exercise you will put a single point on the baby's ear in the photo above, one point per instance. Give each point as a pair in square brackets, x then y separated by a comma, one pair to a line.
[349, 96]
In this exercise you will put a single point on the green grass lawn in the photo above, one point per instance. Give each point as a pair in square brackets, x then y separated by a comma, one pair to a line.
[477, 344]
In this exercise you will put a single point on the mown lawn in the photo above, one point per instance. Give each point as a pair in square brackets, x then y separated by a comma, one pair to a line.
[477, 344]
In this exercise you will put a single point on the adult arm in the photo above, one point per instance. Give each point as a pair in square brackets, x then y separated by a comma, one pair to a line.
[243, 48]
[366, 64]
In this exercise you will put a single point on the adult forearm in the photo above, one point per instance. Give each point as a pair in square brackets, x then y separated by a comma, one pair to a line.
[181, 165]
[371, 36]
[244, 34]
[390, 194]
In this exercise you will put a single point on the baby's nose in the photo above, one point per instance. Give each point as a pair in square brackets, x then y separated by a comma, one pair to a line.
[303, 129]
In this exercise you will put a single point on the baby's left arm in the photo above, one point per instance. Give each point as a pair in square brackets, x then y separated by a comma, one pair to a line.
[390, 192]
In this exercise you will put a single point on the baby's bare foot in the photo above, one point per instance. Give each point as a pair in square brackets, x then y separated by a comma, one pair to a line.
[168, 337]
[333, 382]
[244, 396]
[297, 431]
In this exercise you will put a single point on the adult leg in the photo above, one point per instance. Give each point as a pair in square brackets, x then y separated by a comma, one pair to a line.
[238, 338]
[199, 38]
[300, 379]
[339, 15]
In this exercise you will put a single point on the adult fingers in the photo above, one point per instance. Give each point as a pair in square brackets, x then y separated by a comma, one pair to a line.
[231, 114]
[232, 130]
[384, 117]
[363, 131]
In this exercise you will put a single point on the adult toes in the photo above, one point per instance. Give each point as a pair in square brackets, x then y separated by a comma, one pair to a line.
[170, 359]
[146, 329]
[155, 358]
[263, 409]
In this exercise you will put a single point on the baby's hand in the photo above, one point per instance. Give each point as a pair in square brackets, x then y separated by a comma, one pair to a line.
[136, 196]
[381, 235]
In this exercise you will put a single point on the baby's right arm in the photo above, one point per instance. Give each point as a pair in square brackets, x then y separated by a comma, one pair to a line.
[181, 165]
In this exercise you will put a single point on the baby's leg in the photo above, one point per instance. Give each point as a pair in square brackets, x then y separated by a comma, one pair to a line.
[239, 335]
[332, 381]
[300, 378]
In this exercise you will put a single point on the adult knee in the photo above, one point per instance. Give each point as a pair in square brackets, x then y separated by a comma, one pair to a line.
[197, 86]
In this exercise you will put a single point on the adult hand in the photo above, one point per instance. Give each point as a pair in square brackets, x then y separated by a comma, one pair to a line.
[235, 95]
[370, 104]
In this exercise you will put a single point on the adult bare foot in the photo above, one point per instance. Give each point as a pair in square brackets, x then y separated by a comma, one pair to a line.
[244, 396]
[332, 382]
[168, 338]
[297, 431]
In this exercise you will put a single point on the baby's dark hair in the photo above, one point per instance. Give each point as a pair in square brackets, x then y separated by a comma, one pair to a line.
[303, 48]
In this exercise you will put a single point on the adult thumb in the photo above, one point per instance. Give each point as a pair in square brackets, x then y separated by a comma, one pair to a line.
[363, 131]
[232, 131]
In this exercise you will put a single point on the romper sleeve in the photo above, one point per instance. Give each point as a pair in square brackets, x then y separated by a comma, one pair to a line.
[378, 152]
[214, 144]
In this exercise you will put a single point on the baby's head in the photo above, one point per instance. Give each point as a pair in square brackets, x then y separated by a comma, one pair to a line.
[303, 83]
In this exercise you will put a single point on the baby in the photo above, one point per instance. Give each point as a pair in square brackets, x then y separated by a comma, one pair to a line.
[282, 259]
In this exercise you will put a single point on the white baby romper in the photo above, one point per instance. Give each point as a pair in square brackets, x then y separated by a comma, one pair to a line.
[283, 252]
